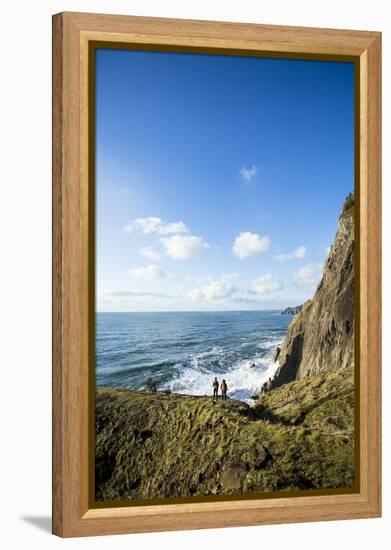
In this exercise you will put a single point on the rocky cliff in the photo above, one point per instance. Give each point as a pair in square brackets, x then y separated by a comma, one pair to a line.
[321, 337]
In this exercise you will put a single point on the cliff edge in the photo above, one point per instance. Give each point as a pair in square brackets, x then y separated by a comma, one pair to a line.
[153, 445]
[321, 337]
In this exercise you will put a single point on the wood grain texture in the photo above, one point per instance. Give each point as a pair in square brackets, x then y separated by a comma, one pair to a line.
[371, 258]
[72, 32]
[57, 409]
[223, 35]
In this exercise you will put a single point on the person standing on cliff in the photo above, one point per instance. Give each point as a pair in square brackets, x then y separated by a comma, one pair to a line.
[215, 388]
[224, 389]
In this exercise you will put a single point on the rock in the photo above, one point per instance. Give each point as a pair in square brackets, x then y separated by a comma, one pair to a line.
[233, 475]
[276, 354]
[261, 456]
[321, 336]
[292, 310]
[269, 385]
[256, 456]
[151, 385]
[264, 388]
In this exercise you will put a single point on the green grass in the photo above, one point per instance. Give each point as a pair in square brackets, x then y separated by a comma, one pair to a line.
[348, 206]
[156, 445]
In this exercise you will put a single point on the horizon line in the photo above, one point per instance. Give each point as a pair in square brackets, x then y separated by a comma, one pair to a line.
[197, 310]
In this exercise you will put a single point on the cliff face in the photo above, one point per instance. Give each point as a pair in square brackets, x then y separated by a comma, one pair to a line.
[321, 337]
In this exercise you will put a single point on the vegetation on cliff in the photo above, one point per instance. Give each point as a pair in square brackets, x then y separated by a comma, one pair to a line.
[157, 445]
[348, 206]
[292, 310]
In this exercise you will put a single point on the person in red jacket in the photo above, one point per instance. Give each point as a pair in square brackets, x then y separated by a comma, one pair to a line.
[224, 389]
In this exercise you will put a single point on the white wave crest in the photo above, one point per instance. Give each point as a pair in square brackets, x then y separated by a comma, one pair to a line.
[243, 381]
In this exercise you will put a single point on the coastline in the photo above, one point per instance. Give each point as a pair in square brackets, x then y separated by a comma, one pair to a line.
[263, 373]
[184, 352]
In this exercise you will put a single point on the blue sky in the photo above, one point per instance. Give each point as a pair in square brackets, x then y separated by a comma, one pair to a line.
[219, 180]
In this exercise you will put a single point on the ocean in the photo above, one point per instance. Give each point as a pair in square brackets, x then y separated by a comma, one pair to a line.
[184, 351]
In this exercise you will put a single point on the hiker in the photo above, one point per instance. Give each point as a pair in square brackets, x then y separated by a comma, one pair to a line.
[269, 384]
[215, 388]
[224, 389]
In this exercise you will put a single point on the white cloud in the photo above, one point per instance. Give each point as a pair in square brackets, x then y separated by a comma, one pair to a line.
[181, 247]
[299, 253]
[152, 224]
[215, 290]
[265, 284]
[328, 250]
[172, 227]
[248, 244]
[151, 253]
[132, 294]
[145, 225]
[248, 173]
[148, 273]
[129, 300]
[308, 276]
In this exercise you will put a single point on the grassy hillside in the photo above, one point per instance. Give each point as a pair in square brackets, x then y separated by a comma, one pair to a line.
[156, 445]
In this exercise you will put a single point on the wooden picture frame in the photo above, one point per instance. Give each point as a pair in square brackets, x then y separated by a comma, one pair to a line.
[73, 34]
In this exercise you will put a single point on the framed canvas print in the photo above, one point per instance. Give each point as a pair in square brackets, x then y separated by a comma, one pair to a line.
[216, 274]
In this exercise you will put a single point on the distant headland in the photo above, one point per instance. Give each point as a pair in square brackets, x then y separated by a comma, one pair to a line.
[294, 310]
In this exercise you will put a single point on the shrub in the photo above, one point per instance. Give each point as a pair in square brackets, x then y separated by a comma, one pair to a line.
[348, 204]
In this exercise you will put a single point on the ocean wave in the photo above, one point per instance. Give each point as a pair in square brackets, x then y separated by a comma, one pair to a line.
[243, 381]
[216, 350]
[184, 353]
[152, 368]
[194, 375]
[269, 344]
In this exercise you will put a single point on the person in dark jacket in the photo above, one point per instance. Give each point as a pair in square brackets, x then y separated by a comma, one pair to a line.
[224, 389]
[215, 388]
